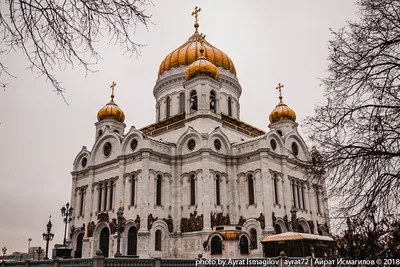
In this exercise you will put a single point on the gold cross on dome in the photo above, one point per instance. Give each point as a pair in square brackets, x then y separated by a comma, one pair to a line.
[113, 87]
[279, 88]
[195, 13]
[120, 203]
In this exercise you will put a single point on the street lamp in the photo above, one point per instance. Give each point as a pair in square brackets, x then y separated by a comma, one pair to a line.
[4, 249]
[48, 236]
[39, 252]
[120, 216]
[67, 213]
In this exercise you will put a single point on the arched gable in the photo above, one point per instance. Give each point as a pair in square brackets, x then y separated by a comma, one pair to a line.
[182, 143]
[218, 134]
[127, 145]
[303, 153]
[77, 165]
[97, 151]
[303, 222]
[280, 145]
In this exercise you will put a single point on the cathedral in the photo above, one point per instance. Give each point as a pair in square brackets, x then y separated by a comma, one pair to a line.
[199, 180]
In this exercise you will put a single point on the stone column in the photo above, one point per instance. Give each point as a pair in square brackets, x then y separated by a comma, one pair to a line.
[206, 193]
[313, 210]
[267, 194]
[142, 191]
[287, 204]
[106, 199]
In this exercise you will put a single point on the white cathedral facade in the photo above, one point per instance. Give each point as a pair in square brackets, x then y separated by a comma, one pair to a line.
[199, 180]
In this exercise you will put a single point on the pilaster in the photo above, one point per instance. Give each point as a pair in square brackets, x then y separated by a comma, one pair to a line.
[267, 194]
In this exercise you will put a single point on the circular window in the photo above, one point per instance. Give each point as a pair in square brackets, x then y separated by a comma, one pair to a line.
[217, 144]
[107, 149]
[295, 149]
[84, 162]
[280, 132]
[191, 144]
[273, 144]
[134, 143]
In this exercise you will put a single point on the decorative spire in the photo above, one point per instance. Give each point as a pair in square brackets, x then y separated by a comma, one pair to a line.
[112, 87]
[202, 38]
[49, 218]
[195, 14]
[279, 88]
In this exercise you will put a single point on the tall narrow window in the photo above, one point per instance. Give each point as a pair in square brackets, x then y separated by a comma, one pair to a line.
[100, 196]
[181, 102]
[250, 183]
[217, 190]
[253, 237]
[193, 101]
[133, 181]
[229, 106]
[110, 204]
[158, 112]
[317, 197]
[213, 102]
[294, 194]
[216, 245]
[81, 204]
[105, 196]
[302, 196]
[192, 190]
[168, 107]
[159, 188]
[276, 188]
[158, 240]
[299, 196]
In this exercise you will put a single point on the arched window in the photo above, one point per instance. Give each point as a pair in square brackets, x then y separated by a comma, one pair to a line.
[302, 196]
[216, 245]
[105, 196]
[192, 190]
[132, 241]
[158, 240]
[229, 106]
[253, 236]
[277, 228]
[294, 193]
[193, 101]
[217, 190]
[99, 198]
[244, 245]
[110, 204]
[133, 189]
[181, 102]
[213, 102]
[300, 228]
[275, 179]
[79, 246]
[250, 183]
[158, 189]
[104, 241]
[158, 112]
[81, 202]
[168, 107]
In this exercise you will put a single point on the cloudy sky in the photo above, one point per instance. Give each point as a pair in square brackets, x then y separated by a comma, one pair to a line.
[269, 42]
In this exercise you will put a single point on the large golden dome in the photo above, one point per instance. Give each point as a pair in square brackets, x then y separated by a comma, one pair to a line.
[111, 111]
[187, 53]
[281, 111]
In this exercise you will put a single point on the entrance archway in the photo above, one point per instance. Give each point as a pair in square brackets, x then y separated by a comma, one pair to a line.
[132, 241]
[104, 241]
[244, 245]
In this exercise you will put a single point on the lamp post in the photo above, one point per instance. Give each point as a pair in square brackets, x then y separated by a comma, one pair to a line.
[29, 244]
[39, 251]
[48, 236]
[67, 213]
[4, 249]
[120, 216]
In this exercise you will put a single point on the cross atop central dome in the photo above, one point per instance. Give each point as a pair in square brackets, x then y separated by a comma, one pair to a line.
[187, 53]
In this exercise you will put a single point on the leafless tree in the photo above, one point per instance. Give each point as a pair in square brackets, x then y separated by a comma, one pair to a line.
[357, 130]
[53, 34]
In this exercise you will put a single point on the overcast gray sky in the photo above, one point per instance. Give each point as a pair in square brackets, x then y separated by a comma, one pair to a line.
[268, 41]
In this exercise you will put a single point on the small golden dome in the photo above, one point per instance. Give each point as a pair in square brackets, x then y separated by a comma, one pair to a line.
[202, 67]
[188, 53]
[111, 111]
[281, 111]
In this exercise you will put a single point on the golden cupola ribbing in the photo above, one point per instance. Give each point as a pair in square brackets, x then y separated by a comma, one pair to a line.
[281, 111]
[202, 66]
[188, 53]
[111, 111]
